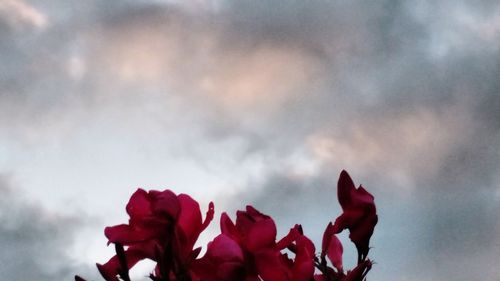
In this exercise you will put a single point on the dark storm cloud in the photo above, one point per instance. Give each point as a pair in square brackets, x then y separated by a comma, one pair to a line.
[35, 244]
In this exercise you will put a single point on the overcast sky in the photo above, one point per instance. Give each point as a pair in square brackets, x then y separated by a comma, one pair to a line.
[252, 102]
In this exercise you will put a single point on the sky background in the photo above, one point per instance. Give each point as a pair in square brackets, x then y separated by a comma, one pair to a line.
[252, 102]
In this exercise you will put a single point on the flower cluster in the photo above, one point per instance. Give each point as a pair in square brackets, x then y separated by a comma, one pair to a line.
[164, 227]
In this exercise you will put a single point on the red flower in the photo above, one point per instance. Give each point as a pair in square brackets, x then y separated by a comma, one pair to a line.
[162, 227]
[223, 261]
[359, 214]
[359, 272]
[332, 248]
[302, 268]
[256, 235]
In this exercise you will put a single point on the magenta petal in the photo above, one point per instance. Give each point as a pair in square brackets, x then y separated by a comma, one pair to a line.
[261, 234]
[359, 213]
[269, 267]
[334, 252]
[362, 197]
[165, 203]
[255, 214]
[245, 219]
[223, 248]
[231, 271]
[139, 204]
[125, 234]
[303, 268]
[222, 262]
[319, 277]
[111, 269]
[227, 226]
[344, 187]
[362, 233]
[209, 216]
[327, 236]
[190, 217]
[358, 272]
[289, 238]
[243, 222]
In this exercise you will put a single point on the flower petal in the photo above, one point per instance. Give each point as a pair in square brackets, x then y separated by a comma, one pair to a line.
[223, 248]
[209, 216]
[344, 187]
[303, 267]
[190, 217]
[227, 226]
[358, 273]
[269, 265]
[111, 269]
[261, 234]
[126, 235]
[139, 204]
[334, 252]
[327, 236]
[165, 203]
[289, 238]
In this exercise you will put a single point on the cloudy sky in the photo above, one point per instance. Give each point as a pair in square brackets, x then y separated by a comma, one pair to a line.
[252, 102]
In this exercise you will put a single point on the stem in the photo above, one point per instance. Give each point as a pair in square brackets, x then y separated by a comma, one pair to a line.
[120, 252]
[321, 265]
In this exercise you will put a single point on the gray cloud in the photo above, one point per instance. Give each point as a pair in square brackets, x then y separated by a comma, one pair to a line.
[35, 243]
[412, 115]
